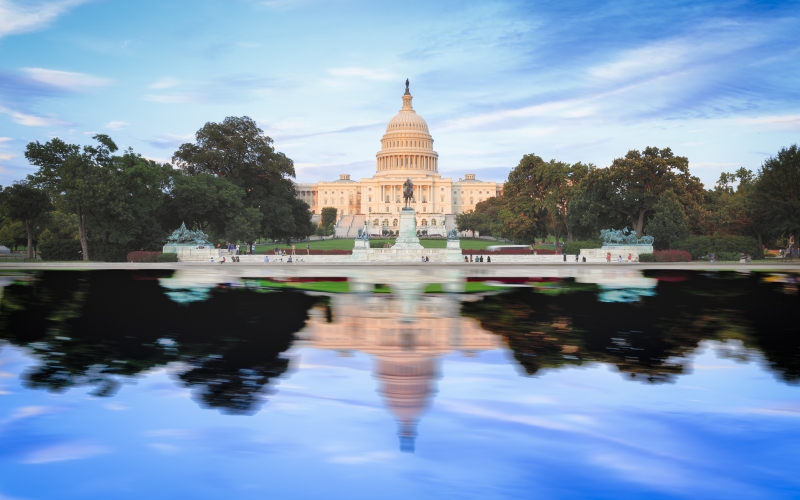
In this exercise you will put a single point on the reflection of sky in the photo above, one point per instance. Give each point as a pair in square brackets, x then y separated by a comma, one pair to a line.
[727, 430]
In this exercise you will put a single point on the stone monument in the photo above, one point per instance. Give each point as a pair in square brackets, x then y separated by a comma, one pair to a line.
[190, 245]
[620, 243]
[407, 233]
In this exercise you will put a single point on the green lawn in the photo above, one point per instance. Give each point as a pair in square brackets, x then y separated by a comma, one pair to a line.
[347, 244]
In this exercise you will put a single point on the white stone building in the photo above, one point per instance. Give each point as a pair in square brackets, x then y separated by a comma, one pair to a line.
[406, 153]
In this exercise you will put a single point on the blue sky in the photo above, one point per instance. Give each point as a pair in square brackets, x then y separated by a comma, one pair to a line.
[581, 81]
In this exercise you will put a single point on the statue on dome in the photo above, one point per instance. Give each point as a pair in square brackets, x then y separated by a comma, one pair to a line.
[407, 86]
[408, 192]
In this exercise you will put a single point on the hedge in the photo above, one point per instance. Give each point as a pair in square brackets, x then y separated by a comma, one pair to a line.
[67, 249]
[671, 256]
[700, 246]
[647, 257]
[167, 257]
[573, 247]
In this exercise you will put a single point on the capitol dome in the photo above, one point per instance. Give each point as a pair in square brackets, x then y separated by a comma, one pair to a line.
[407, 145]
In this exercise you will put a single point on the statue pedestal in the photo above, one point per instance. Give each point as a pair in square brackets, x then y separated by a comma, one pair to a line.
[407, 237]
[361, 251]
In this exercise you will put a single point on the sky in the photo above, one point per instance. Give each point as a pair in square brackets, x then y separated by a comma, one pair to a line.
[570, 80]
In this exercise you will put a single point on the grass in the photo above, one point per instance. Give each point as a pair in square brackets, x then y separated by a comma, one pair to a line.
[347, 244]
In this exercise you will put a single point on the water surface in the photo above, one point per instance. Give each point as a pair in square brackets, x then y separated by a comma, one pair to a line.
[613, 384]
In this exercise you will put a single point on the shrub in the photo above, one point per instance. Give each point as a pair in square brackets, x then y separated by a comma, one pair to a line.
[303, 251]
[167, 257]
[61, 249]
[107, 252]
[573, 247]
[142, 256]
[647, 257]
[671, 256]
[507, 251]
[700, 246]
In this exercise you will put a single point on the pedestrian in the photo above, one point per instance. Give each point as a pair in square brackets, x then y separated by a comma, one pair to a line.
[488, 258]
[427, 259]
[619, 259]
[292, 249]
[576, 257]
[565, 256]
[290, 259]
[266, 258]
[237, 249]
[470, 258]
[308, 249]
[584, 258]
[608, 257]
[630, 258]
[466, 259]
[222, 261]
[253, 249]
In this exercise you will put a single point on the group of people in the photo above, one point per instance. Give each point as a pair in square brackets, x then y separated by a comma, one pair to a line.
[619, 258]
[477, 259]
[238, 249]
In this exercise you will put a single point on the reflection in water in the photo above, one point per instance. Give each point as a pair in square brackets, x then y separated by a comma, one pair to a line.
[93, 328]
[226, 335]
[406, 334]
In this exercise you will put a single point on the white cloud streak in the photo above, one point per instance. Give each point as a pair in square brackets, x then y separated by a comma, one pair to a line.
[31, 16]
[116, 125]
[67, 80]
[62, 452]
[366, 74]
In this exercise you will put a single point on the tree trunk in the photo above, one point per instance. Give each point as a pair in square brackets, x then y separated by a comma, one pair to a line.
[82, 233]
[639, 224]
[30, 239]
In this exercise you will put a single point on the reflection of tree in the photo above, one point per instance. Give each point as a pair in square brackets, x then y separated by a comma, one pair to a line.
[650, 339]
[93, 328]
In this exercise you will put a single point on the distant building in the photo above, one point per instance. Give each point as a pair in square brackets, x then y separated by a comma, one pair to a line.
[406, 153]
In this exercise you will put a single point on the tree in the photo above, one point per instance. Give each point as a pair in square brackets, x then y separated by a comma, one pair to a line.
[238, 151]
[524, 214]
[77, 176]
[669, 224]
[205, 202]
[245, 226]
[633, 185]
[27, 204]
[484, 219]
[327, 216]
[778, 191]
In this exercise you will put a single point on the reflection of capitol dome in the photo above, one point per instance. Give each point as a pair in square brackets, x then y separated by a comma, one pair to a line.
[407, 385]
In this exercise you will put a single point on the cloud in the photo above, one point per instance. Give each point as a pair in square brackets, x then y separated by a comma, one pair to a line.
[67, 80]
[169, 141]
[116, 125]
[790, 122]
[342, 130]
[62, 452]
[165, 83]
[5, 139]
[31, 120]
[32, 16]
[220, 89]
[366, 74]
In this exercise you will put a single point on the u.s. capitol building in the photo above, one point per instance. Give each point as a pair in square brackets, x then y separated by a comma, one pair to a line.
[406, 153]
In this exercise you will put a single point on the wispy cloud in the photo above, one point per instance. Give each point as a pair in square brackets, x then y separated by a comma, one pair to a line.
[116, 125]
[165, 83]
[76, 82]
[227, 88]
[363, 73]
[31, 15]
[169, 141]
[30, 120]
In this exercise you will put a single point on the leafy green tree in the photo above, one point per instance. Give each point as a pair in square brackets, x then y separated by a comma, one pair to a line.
[27, 204]
[632, 186]
[206, 202]
[524, 215]
[238, 151]
[245, 226]
[669, 225]
[778, 191]
[13, 234]
[327, 216]
[485, 218]
[78, 176]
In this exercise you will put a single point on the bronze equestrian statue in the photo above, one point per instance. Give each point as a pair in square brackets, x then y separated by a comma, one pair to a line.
[408, 192]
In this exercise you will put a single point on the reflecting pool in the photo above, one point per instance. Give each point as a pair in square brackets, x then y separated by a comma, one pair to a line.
[202, 384]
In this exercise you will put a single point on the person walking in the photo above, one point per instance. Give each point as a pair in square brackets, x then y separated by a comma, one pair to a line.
[292, 249]
[608, 257]
[308, 249]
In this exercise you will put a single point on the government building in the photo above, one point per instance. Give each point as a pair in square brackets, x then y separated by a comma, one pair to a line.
[406, 153]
